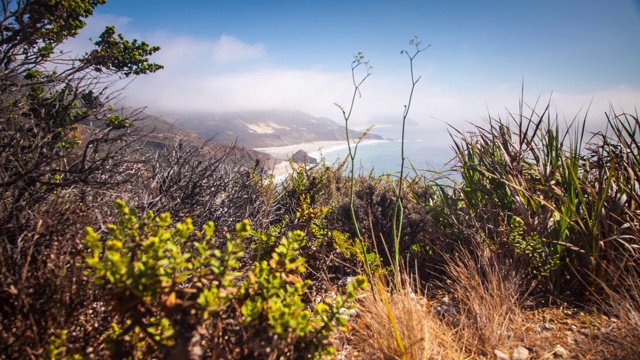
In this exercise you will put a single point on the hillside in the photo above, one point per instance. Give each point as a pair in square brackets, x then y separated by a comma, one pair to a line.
[258, 129]
[158, 134]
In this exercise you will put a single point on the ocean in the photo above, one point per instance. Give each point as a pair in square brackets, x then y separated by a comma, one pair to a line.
[384, 156]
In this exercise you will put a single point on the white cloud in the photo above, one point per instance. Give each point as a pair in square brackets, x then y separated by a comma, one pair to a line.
[202, 56]
[95, 26]
[195, 80]
[229, 48]
[271, 88]
[315, 92]
[181, 53]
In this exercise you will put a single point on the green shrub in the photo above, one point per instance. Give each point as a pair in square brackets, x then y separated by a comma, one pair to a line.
[275, 305]
[313, 200]
[58, 349]
[570, 199]
[170, 285]
[533, 247]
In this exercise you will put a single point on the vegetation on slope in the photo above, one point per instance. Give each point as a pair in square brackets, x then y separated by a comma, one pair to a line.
[260, 129]
[541, 228]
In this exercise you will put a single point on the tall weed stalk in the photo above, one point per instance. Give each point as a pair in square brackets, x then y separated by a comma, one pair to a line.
[352, 150]
[399, 210]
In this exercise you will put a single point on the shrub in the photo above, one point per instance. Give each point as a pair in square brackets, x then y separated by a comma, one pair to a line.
[565, 201]
[311, 200]
[174, 293]
[63, 147]
[204, 182]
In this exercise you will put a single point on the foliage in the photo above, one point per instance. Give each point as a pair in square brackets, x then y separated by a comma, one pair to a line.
[46, 98]
[276, 291]
[532, 246]
[144, 265]
[374, 203]
[121, 55]
[62, 149]
[567, 200]
[313, 201]
[57, 347]
[313, 217]
[166, 286]
[352, 247]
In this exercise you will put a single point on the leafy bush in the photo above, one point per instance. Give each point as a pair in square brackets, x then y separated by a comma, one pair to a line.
[169, 286]
[533, 247]
[312, 200]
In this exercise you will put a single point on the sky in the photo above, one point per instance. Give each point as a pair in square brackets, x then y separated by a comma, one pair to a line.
[257, 55]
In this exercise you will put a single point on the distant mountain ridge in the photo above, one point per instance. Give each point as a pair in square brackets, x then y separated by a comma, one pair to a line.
[259, 129]
[239, 132]
[156, 133]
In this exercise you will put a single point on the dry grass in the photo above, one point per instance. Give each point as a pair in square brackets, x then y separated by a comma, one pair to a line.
[488, 294]
[485, 314]
[401, 325]
[622, 303]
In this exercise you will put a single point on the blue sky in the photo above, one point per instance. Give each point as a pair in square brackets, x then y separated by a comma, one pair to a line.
[237, 55]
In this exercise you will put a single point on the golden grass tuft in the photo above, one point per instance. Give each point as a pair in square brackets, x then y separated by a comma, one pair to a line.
[622, 303]
[400, 324]
[487, 292]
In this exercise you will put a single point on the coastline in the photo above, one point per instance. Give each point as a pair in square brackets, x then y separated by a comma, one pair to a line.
[314, 149]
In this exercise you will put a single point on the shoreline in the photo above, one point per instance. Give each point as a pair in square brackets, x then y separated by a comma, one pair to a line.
[315, 149]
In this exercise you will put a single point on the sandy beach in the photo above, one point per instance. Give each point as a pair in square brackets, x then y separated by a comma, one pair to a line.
[314, 149]
[284, 152]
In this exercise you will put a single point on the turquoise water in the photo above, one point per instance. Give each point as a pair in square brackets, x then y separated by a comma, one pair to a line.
[384, 157]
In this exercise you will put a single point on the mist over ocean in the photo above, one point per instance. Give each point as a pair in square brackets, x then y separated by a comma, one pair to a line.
[422, 149]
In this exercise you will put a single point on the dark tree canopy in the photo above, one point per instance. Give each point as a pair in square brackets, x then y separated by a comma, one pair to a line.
[46, 93]
[61, 140]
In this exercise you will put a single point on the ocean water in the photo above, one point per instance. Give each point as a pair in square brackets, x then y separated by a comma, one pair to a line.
[384, 156]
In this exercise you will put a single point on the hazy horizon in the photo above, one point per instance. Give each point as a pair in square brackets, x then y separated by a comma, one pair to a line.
[253, 55]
